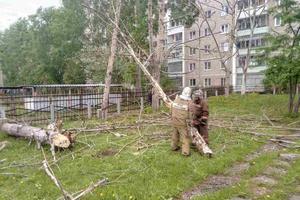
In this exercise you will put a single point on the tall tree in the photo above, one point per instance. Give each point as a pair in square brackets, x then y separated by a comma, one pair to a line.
[111, 59]
[44, 44]
[283, 52]
[159, 56]
[253, 16]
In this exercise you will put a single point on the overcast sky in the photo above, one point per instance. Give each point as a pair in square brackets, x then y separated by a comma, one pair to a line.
[11, 10]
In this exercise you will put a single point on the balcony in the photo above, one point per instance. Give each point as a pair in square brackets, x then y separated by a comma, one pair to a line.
[260, 30]
[174, 69]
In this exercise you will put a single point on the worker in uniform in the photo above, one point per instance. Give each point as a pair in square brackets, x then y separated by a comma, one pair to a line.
[180, 115]
[200, 114]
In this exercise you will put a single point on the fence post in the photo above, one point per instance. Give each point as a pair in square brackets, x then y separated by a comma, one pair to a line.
[99, 113]
[2, 113]
[52, 112]
[89, 110]
[161, 102]
[142, 103]
[104, 114]
[216, 92]
[205, 94]
[118, 105]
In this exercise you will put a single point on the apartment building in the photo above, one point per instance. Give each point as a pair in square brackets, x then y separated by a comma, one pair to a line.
[195, 57]
[204, 45]
[256, 11]
[175, 44]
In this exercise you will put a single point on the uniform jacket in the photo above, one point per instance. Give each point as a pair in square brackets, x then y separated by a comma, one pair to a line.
[199, 111]
[180, 111]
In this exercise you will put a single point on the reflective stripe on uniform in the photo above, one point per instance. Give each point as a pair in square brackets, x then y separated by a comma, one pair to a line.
[180, 106]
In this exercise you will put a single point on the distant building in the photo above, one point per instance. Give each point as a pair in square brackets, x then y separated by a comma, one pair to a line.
[194, 61]
[265, 23]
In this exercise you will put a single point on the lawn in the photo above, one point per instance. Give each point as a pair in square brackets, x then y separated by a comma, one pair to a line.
[154, 171]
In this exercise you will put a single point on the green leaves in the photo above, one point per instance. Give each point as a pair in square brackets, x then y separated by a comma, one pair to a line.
[183, 11]
[283, 52]
[37, 49]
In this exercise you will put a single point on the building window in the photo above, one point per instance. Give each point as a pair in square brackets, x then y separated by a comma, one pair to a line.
[207, 82]
[208, 14]
[255, 42]
[206, 32]
[192, 51]
[193, 82]
[176, 37]
[260, 21]
[254, 61]
[225, 46]
[221, 64]
[277, 21]
[192, 67]
[175, 23]
[243, 4]
[192, 35]
[225, 10]
[207, 65]
[206, 48]
[224, 28]
[223, 80]
[176, 53]
[241, 61]
[256, 3]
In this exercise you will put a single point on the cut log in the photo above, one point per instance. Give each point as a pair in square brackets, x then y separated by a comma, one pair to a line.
[198, 140]
[38, 134]
[41, 136]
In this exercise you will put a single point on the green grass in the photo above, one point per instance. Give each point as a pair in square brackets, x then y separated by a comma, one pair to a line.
[153, 173]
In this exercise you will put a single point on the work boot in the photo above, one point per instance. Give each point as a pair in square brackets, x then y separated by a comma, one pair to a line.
[175, 148]
[185, 153]
[186, 141]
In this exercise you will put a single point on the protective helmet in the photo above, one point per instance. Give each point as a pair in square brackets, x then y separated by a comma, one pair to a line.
[186, 93]
[198, 94]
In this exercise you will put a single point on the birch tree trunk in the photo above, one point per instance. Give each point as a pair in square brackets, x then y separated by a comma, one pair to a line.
[138, 77]
[150, 33]
[159, 56]
[253, 18]
[111, 59]
[197, 138]
[243, 86]
[33, 133]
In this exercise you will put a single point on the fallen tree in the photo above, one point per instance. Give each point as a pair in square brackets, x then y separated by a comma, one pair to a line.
[197, 138]
[52, 135]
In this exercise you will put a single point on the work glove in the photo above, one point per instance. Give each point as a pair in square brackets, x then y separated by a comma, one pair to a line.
[195, 123]
[203, 121]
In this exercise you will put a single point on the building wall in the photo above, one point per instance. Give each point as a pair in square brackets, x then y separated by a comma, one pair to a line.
[202, 57]
[255, 74]
[194, 58]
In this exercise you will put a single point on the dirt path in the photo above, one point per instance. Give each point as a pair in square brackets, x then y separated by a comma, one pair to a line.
[230, 177]
[261, 185]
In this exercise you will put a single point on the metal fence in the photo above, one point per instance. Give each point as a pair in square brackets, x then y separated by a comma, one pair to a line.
[41, 106]
[41, 109]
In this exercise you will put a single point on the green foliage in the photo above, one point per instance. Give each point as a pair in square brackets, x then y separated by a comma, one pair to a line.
[283, 52]
[74, 73]
[183, 11]
[167, 83]
[37, 49]
[283, 56]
